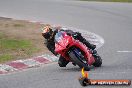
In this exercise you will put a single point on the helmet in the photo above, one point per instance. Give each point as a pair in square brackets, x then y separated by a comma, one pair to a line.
[47, 32]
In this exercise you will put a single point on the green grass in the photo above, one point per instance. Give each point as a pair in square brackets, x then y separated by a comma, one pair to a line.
[110, 0]
[9, 48]
[5, 57]
[14, 44]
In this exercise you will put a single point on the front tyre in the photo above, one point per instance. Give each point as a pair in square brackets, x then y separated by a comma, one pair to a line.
[78, 60]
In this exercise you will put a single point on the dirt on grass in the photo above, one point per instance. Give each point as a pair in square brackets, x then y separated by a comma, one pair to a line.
[23, 30]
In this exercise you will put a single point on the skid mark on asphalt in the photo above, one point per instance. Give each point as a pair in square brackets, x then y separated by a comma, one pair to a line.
[125, 51]
[91, 37]
[45, 59]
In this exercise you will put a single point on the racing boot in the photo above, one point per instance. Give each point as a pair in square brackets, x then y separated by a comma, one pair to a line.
[74, 63]
[78, 36]
[62, 62]
[91, 46]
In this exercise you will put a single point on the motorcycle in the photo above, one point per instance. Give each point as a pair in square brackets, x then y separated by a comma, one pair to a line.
[74, 51]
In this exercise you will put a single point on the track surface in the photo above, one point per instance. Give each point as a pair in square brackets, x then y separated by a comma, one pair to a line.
[112, 21]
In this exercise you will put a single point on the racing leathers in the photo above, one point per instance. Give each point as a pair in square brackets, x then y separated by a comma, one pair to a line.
[51, 44]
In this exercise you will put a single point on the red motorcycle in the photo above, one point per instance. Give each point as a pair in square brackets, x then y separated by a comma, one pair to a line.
[73, 50]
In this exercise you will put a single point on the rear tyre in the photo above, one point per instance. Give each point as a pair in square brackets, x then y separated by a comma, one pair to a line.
[62, 62]
[78, 61]
[98, 61]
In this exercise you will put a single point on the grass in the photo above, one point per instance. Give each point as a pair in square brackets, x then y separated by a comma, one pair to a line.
[110, 0]
[5, 57]
[20, 39]
[14, 44]
[18, 25]
[14, 48]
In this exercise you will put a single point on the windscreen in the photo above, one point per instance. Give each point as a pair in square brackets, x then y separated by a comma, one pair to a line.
[59, 36]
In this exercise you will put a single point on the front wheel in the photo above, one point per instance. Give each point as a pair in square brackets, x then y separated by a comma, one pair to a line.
[78, 60]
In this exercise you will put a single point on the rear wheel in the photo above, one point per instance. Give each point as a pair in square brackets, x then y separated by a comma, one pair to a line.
[98, 61]
[80, 61]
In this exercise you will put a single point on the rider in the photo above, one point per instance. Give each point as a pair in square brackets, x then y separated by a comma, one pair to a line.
[49, 34]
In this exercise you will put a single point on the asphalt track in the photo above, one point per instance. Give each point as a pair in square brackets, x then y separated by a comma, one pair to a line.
[112, 21]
